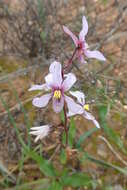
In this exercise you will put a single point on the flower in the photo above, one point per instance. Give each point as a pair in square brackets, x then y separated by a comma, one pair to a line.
[85, 108]
[40, 132]
[57, 85]
[81, 45]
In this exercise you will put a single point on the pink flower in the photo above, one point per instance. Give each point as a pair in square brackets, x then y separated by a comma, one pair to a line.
[57, 86]
[40, 132]
[81, 45]
[85, 108]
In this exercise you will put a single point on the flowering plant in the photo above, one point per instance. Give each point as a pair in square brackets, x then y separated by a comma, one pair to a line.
[57, 84]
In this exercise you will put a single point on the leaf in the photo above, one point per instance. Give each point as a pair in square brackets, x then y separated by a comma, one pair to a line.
[71, 133]
[44, 183]
[63, 156]
[104, 164]
[43, 36]
[84, 136]
[44, 165]
[55, 186]
[114, 137]
[77, 180]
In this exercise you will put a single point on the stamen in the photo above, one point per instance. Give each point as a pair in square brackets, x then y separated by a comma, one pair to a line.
[57, 94]
[86, 107]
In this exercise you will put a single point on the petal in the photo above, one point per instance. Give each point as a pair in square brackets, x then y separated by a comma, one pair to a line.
[84, 30]
[96, 123]
[40, 132]
[89, 116]
[95, 54]
[79, 95]
[72, 106]
[54, 67]
[38, 87]
[42, 101]
[69, 81]
[68, 32]
[58, 104]
[56, 71]
[70, 114]
[49, 80]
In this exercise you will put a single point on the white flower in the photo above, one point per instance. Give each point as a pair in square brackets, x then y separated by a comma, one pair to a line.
[40, 132]
[85, 108]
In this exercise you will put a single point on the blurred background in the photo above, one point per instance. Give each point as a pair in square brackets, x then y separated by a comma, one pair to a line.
[31, 37]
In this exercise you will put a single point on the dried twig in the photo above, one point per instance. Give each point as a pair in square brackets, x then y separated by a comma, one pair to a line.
[113, 151]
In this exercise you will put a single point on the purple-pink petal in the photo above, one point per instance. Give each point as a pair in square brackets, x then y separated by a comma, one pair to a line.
[72, 106]
[56, 71]
[69, 81]
[54, 67]
[95, 54]
[79, 95]
[37, 87]
[70, 114]
[68, 32]
[89, 116]
[96, 123]
[58, 104]
[41, 101]
[49, 80]
[84, 30]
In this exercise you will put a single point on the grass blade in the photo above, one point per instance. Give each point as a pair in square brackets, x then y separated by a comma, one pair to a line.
[84, 136]
[13, 123]
[23, 111]
[105, 164]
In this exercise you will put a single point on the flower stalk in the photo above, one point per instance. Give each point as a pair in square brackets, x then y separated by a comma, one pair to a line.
[69, 63]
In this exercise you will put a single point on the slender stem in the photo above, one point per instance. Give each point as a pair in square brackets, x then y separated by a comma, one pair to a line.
[65, 112]
[71, 59]
[65, 124]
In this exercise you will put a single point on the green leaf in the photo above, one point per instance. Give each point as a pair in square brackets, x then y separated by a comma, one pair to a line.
[77, 180]
[72, 132]
[44, 165]
[104, 164]
[103, 112]
[113, 136]
[43, 36]
[55, 186]
[84, 136]
[63, 156]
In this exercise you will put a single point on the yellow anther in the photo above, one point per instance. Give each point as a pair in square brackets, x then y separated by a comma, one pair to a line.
[86, 107]
[57, 94]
